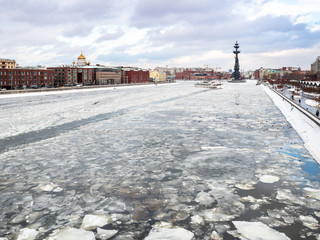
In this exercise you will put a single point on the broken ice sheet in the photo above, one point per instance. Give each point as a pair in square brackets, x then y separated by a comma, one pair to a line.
[268, 179]
[91, 221]
[150, 154]
[258, 230]
[27, 234]
[167, 231]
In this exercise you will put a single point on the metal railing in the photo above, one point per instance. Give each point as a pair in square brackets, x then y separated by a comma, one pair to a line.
[310, 115]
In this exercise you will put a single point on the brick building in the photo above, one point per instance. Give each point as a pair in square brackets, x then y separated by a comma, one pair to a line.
[71, 75]
[26, 78]
[136, 76]
[200, 74]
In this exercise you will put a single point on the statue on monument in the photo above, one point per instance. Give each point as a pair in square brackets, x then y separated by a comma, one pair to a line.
[236, 73]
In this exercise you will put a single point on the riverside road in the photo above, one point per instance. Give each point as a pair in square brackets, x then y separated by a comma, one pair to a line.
[151, 160]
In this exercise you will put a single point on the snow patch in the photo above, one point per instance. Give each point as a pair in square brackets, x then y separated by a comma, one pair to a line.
[258, 230]
[312, 103]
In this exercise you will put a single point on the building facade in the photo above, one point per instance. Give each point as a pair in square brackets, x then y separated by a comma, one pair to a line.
[315, 68]
[200, 74]
[8, 63]
[137, 76]
[107, 76]
[157, 76]
[72, 75]
[26, 78]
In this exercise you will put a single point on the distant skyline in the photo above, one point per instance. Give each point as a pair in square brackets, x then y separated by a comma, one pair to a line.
[150, 33]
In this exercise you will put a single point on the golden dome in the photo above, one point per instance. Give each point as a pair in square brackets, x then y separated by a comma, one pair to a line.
[81, 56]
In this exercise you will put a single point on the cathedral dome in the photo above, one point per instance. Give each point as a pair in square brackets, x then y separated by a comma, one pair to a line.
[81, 56]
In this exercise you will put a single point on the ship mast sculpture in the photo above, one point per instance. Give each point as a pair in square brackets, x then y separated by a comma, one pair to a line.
[236, 73]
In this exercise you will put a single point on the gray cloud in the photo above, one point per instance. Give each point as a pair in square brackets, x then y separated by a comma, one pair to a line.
[174, 28]
[110, 36]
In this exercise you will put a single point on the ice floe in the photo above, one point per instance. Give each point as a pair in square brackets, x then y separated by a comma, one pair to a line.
[104, 234]
[27, 234]
[258, 230]
[286, 195]
[51, 187]
[244, 186]
[71, 234]
[167, 231]
[268, 179]
[309, 222]
[205, 198]
[216, 215]
[312, 193]
[197, 220]
[91, 221]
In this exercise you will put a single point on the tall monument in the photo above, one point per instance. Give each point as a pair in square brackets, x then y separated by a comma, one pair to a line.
[236, 73]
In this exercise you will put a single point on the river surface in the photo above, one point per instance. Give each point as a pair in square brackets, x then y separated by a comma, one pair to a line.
[220, 164]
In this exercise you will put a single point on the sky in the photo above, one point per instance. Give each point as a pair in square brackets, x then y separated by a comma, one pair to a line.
[150, 33]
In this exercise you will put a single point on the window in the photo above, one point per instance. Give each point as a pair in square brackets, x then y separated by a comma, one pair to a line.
[34, 77]
[10, 73]
[22, 82]
[45, 73]
[34, 82]
[22, 73]
[34, 73]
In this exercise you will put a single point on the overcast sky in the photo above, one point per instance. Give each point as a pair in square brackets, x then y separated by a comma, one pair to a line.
[149, 33]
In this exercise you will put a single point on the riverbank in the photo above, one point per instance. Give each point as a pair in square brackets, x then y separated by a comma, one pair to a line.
[308, 129]
[30, 90]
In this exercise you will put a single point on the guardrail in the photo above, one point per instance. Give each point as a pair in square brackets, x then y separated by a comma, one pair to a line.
[310, 115]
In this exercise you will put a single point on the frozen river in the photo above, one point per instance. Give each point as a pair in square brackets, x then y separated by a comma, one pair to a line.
[154, 162]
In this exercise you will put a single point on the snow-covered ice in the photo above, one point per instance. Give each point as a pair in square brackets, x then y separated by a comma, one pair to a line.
[269, 179]
[165, 231]
[258, 230]
[27, 234]
[71, 234]
[91, 221]
[144, 156]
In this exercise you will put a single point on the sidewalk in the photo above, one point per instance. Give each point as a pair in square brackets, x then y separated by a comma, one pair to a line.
[307, 127]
